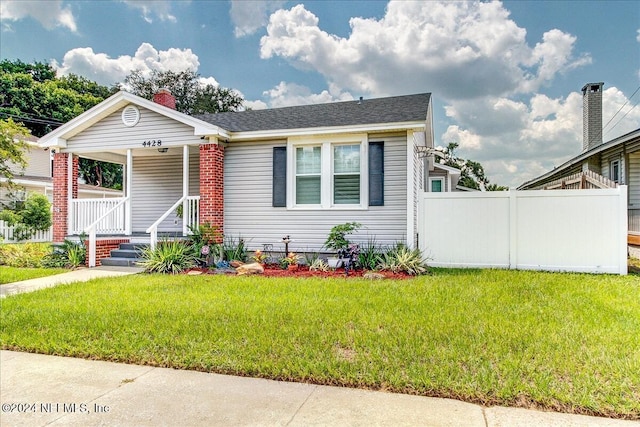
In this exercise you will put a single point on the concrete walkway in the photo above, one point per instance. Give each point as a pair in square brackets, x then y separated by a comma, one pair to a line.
[80, 275]
[39, 390]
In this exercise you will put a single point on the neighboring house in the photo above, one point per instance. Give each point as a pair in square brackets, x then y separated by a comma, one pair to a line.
[259, 175]
[36, 177]
[600, 165]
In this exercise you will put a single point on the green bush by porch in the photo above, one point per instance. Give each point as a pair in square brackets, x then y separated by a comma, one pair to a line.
[558, 341]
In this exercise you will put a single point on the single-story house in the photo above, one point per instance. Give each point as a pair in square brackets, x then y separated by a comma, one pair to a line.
[258, 175]
[599, 165]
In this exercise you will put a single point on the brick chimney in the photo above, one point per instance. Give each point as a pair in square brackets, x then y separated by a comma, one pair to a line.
[591, 115]
[164, 97]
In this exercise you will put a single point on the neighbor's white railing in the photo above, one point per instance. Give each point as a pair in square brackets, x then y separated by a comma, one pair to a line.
[6, 234]
[111, 221]
[190, 217]
[85, 212]
[634, 221]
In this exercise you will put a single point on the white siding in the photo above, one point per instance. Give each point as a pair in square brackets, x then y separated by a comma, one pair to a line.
[38, 163]
[111, 133]
[250, 215]
[157, 184]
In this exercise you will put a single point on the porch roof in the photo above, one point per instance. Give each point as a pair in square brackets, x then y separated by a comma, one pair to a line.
[58, 137]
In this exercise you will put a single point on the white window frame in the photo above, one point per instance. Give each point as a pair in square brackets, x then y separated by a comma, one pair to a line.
[437, 178]
[326, 176]
[619, 164]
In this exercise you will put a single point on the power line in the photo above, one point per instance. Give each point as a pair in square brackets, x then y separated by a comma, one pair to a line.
[620, 109]
[32, 119]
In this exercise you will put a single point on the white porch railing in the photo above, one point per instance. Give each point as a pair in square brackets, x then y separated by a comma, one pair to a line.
[111, 221]
[190, 217]
[7, 234]
[111, 214]
[192, 213]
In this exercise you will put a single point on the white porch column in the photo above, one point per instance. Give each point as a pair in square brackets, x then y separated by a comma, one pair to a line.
[185, 190]
[128, 209]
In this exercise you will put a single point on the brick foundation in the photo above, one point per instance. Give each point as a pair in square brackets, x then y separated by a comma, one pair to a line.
[212, 185]
[104, 248]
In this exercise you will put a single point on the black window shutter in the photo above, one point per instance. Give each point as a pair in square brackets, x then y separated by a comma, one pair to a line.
[376, 174]
[279, 189]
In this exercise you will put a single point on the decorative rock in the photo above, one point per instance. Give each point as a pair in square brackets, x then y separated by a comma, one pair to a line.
[194, 272]
[253, 268]
[372, 276]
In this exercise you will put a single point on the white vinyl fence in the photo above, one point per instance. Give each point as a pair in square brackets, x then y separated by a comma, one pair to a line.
[6, 234]
[555, 230]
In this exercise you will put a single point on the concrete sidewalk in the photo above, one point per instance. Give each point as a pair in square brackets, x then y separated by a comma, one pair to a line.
[39, 390]
[80, 275]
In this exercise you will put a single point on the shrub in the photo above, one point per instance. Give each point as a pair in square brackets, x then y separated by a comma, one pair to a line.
[28, 217]
[168, 257]
[402, 259]
[318, 264]
[370, 255]
[337, 239]
[234, 250]
[68, 255]
[23, 255]
[204, 241]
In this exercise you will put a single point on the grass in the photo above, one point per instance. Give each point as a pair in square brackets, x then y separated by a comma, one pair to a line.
[14, 274]
[564, 342]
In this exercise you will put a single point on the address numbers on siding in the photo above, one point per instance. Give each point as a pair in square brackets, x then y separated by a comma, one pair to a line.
[152, 143]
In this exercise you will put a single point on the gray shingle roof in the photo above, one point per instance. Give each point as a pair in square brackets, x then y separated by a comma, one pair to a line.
[409, 108]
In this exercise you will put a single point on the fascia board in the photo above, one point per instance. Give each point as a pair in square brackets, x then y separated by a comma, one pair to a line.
[58, 137]
[285, 133]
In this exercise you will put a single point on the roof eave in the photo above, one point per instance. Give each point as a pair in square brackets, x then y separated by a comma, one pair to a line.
[582, 156]
[328, 130]
[59, 136]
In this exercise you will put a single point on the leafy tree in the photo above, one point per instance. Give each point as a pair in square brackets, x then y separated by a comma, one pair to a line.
[472, 173]
[99, 173]
[12, 148]
[28, 217]
[191, 96]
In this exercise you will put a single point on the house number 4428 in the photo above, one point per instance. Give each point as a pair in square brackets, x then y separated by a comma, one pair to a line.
[152, 143]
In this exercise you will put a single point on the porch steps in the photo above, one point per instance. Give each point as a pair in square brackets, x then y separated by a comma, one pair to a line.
[127, 255]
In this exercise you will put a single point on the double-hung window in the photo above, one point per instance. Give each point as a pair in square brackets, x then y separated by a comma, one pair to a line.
[328, 173]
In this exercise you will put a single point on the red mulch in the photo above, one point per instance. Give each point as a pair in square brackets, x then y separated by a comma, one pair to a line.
[303, 271]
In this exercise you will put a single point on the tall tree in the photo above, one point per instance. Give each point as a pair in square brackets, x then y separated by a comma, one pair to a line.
[472, 173]
[191, 96]
[12, 148]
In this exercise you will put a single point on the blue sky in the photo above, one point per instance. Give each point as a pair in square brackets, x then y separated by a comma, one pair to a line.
[505, 76]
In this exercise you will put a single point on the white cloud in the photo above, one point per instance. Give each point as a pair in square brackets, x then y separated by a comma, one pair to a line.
[50, 14]
[464, 49]
[150, 8]
[287, 94]
[248, 16]
[106, 70]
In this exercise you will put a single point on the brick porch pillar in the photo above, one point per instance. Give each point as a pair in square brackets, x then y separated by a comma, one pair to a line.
[61, 192]
[212, 185]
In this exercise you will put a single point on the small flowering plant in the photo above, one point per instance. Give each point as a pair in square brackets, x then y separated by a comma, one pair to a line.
[291, 259]
[259, 257]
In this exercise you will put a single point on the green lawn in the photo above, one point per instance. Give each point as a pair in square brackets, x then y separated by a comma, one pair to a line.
[565, 342]
[14, 274]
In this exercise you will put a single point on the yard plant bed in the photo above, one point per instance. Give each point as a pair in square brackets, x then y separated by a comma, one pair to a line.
[273, 270]
[564, 342]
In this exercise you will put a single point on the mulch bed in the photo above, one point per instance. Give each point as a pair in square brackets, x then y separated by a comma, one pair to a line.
[303, 271]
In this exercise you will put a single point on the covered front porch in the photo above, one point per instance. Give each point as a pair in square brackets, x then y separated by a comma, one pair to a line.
[161, 195]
